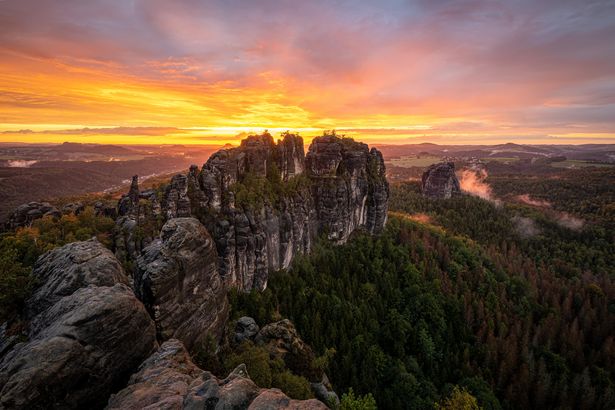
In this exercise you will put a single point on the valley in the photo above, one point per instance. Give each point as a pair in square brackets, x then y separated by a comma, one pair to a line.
[503, 293]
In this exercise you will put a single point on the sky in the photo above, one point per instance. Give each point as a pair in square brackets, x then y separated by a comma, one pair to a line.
[387, 71]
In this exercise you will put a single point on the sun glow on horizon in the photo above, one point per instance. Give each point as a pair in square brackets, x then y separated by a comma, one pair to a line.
[154, 73]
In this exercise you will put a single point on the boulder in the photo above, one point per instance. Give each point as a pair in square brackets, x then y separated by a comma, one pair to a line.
[77, 265]
[169, 379]
[87, 333]
[177, 280]
[439, 181]
[25, 214]
[323, 391]
[245, 329]
[74, 208]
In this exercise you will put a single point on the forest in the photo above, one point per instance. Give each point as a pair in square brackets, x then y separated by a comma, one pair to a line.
[458, 303]
[457, 295]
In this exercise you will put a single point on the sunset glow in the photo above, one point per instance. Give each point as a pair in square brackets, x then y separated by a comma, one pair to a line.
[200, 72]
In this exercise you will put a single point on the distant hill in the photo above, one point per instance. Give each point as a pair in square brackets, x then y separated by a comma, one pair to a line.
[588, 152]
[93, 149]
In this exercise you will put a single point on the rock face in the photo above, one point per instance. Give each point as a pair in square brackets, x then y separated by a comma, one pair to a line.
[25, 214]
[440, 181]
[263, 203]
[349, 188]
[178, 281]
[169, 379]
[87, 333]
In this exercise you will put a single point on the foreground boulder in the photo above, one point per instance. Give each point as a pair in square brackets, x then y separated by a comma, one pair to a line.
[87, 333]
[65, 270]
[169, 379]
[177, 280]
[440, 181]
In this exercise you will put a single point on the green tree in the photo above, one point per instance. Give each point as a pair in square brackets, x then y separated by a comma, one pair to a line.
[350, 401]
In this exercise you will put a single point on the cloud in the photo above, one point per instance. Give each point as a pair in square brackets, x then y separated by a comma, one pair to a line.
[105, 131]
[477, 67]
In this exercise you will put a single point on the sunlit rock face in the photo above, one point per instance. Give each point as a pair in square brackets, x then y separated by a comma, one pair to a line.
[440, 181]
[265, 202]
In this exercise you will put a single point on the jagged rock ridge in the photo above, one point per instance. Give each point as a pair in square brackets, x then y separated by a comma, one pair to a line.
[440, 181]
[265, 202]
[169, 379]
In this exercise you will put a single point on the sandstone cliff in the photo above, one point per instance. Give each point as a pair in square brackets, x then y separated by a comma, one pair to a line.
[265, 202]
[440, 181]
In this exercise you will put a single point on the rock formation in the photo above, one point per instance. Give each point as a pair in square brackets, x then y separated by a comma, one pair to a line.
[263, 203]
[25, 214]
[178, 281]
[101, 209]
[169, 379]
[138, 223]
[282, 341]
[245, 329]
[86, 334]
[74, 208]
[440, 181]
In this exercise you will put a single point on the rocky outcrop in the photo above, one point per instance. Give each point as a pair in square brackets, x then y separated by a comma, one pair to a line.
[245, 329]
[74, 208]
[138, 224]
[440, 181]
[25, 214]
[169, 379]
[87, 333]
[178, 281]
[282, 340]
[265, 202]
[101, 209]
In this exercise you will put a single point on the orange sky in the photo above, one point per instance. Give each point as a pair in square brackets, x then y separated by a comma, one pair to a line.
[209, 72]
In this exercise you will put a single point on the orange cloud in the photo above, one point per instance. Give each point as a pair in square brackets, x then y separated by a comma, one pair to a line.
[386, 72]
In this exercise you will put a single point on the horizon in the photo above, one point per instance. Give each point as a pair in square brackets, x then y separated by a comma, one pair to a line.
[307, 142]
[393, 73]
